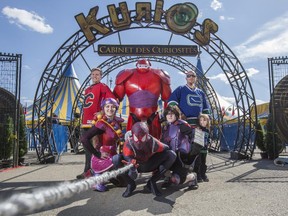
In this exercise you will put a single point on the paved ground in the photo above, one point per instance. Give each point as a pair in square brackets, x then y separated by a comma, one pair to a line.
[255, 187]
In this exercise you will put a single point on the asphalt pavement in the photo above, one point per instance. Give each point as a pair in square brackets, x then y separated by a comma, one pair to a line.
[254, 187]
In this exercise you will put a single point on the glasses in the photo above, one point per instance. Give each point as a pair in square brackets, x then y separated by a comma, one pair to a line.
[190, 75]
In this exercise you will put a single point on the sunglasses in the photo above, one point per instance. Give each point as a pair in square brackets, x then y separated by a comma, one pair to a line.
[190, 75]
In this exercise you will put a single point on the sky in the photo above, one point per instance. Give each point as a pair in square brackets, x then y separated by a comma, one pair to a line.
[254, 31]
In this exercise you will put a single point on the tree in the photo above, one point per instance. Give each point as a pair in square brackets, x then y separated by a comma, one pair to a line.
[7, 139]
[260, 138]
[22, 137]
[274, 147]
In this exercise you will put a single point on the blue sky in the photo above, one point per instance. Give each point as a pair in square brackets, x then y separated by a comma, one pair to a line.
[254, 30]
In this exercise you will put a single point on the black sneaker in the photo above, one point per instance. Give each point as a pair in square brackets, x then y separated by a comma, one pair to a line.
[167, 183]
[81, 176]
[193, 185]
[205, 178]
[199, 179]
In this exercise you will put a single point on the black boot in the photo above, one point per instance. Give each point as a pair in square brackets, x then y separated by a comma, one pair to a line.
[131, 186]
[152, 188]
[203, 173]
[151, 185]
[167, 183]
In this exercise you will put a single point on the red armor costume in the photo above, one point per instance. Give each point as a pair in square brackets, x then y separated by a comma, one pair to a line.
[108, 126]
[143, 87]
[111, 133]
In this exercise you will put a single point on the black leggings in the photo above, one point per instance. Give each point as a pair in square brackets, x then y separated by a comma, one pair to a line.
[165, 159]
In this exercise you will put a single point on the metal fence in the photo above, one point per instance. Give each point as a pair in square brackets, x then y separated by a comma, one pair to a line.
[10, 85]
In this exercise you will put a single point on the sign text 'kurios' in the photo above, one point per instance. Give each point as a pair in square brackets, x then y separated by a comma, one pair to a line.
[179, 18]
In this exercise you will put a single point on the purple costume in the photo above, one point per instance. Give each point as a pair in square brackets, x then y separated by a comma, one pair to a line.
[110, 136]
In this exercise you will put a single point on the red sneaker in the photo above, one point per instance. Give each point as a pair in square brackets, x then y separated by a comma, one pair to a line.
[84, 175]
[88, 173]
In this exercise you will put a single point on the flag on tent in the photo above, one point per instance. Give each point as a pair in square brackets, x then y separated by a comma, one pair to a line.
[199, 65]
[201, 80]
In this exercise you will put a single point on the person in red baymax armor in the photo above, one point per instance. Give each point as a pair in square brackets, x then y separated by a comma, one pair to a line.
[143, 86]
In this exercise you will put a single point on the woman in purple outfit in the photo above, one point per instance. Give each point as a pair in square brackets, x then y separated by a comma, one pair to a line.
[108, 127]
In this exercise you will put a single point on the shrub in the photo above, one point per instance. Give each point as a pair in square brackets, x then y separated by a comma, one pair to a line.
[259, 139]
[273, 148]
[7, 139]
[23, 148]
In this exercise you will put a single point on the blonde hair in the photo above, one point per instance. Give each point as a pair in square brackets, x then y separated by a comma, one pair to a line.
[207, 118]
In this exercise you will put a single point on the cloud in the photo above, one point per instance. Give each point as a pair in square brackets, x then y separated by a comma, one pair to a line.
[258, 102]
[27, 67]
[251, 72]
[24, 19]
[25, 101]
[222, 77]
[226, 18]
[215, 5]
[269, 41]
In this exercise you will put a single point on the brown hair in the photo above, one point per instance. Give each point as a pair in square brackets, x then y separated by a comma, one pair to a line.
[97, 69]
[206, 117]
[173, 109]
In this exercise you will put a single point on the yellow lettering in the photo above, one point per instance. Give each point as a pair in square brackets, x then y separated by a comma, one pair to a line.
[120, 20]
[143, 12]
[158, 11]
[102, 49]
[179, 18]
[208, 26]
[89, 23]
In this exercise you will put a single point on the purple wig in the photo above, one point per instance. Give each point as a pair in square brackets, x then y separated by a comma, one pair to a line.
[109, 101]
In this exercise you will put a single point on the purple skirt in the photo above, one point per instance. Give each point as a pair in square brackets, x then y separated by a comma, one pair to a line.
[100, 165]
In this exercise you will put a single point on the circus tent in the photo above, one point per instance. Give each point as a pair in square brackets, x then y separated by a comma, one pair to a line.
[65, 95]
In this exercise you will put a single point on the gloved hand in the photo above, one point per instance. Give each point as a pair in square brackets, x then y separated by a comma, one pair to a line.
[133, 161]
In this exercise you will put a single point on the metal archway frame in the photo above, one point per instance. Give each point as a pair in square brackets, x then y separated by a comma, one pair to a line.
[77, 44]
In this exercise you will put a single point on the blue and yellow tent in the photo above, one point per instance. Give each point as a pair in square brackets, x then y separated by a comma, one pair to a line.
[64, 97]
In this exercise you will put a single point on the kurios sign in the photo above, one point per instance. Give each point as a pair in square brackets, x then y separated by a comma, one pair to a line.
[179, 19]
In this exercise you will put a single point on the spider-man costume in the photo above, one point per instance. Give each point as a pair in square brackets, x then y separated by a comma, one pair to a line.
[150, 155]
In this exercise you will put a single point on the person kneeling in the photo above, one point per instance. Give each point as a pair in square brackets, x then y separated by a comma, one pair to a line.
[150, 154]
[104, 156]
[179, 136]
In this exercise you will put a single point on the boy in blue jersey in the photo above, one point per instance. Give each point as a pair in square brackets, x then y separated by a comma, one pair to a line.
[191, 100]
